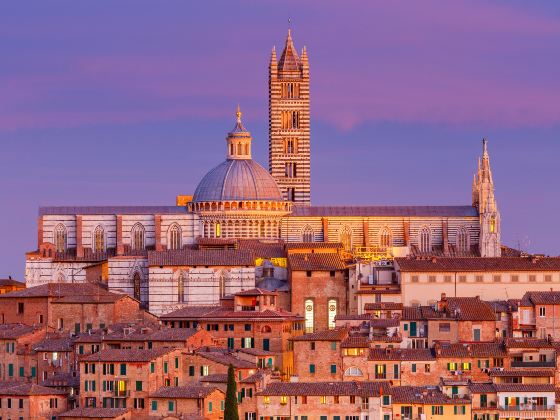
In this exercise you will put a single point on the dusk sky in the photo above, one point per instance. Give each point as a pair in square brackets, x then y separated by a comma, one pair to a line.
[129, 102]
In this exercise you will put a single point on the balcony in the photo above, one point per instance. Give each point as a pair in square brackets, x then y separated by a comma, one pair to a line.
[122, 394]
[528, 411]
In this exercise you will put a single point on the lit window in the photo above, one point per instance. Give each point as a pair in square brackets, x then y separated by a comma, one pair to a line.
[323, 400]
[332, 307]
[283, 400]
[346, 238]
[218, 230]
[266, 400]
[309, 315]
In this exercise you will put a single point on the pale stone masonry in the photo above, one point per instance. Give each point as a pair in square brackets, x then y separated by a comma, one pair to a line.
[289, 128]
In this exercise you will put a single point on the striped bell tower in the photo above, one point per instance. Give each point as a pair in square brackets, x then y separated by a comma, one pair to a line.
[289, 157]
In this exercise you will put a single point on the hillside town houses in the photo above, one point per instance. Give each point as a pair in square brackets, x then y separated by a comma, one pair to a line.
[322, 312]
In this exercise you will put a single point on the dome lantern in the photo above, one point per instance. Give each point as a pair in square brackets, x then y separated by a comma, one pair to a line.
[239, 140]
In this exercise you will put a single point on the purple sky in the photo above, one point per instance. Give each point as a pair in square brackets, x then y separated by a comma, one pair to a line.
[129, 102]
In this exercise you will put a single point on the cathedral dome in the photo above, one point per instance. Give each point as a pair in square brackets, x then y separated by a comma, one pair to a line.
[237, 180]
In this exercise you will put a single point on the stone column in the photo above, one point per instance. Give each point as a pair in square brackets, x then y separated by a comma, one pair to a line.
[406, 232]
[79, 239]
[445, 236]
[120, 244]
[325, 229]
[366, 232]
[39, 232]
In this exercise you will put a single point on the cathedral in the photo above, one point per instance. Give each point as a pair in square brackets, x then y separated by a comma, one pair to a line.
[231, 234]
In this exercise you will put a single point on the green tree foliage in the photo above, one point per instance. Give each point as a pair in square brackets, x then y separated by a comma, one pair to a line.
[231, 411]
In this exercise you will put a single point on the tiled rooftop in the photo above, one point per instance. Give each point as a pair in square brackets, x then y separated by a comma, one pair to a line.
[188, 391]
[315, 262]
[326, 335]
[126, 355]
[388, 211]
[371, 389]
[400, 354]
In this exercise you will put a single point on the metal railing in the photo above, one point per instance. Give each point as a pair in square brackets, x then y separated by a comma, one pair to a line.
[527, 407]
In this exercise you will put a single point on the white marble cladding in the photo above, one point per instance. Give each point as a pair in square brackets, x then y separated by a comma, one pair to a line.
[44, 270]
[121, 275]
[201, 285]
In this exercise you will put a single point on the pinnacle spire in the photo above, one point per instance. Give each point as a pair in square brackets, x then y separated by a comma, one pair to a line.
[289, 60]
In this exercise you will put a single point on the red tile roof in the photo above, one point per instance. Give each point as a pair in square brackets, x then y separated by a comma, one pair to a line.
[527, 343]
[355, 342]
[55, 344]
[264, 248]
[205, 257]
[401, 354]
[14, 331]
[522, 372]
[211, 313]
[423, 394]
[11, 282]
[126, 355]
[524, 387]
[383, 306]
[255, 292]
[226, 359]
[187, 392]
[67, 293]
[540, 298]
[326, 335]
[477, 264]
[215, 378]
[315, 262]
[458, 308]
[25, 389]
[473, 350]
[482, 387]
[95, 413]
[370, 389]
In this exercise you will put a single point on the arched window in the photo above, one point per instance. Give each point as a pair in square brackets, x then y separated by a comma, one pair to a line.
[60, 277]
[309, 315]
[136, 279]
[424, 239]
[60, 236]
[181, 288]
[174, 237]
[137, 237]
[99, 239]
[353, 371]
[239, 149]
[307, 234]
[247, 148]
[386, 238]
[266, 329]
[462, 239]
[493, 224]
[331, 308]
[346, 238]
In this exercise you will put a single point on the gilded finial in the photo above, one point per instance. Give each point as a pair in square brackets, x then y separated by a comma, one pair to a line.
[238, 114]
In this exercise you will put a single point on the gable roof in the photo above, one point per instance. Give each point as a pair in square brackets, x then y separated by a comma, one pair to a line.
[315, 262]
[369, 389]
[126, 355]
[540, 298]
[94, 210]
[67, 293]
[14, 331]
[188, 391]
[400, 354]
[338, 334]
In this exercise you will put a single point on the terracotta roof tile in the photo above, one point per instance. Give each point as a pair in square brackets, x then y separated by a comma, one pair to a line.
[206, 257]
[400, 354]
[14, 331]
[473, 350]
[11, 282]
[355, 342]
[371, 389]
[482, 387]
[477, 264]
[522, 372]
[426, 395]
[264, 248]
[55, 344]
[219, 313]
[67, 293]
[315, 262]
[326, 335]
[126, 355]
[23, 389]
[527, 343]
[524, 387]
[95, 413]
[188, 392]
[383, 306]
[540, 298]
[226, 359]
[255, 292]
[215, 378]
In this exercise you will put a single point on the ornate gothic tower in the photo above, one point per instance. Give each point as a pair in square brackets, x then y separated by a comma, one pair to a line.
[484, 200]
[289, 158]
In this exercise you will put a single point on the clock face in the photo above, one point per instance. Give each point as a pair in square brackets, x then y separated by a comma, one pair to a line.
[309, 308]
[332, 308]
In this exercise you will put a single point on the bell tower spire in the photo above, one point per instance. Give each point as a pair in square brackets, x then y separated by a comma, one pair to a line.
[289, 158]
[485, 202]
[239, 139]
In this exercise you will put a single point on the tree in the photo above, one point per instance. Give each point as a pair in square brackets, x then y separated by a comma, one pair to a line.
[231, 412]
